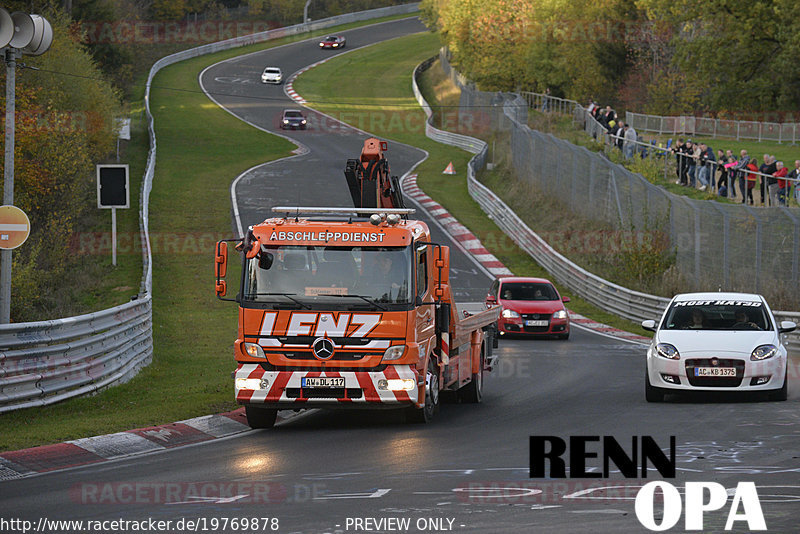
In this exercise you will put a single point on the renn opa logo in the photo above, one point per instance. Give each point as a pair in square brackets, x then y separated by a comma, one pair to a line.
[700, 497]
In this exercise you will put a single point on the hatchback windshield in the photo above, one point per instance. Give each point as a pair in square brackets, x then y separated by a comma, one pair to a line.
[292, 114]
[346, 274]
[717, 315]
[272, 70]
[528, 291]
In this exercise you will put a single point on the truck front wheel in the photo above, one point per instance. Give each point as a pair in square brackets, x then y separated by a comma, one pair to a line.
[258, 417]
[426, 413]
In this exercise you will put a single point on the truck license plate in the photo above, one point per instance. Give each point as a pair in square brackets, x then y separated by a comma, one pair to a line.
[715, 371]
[322, 382]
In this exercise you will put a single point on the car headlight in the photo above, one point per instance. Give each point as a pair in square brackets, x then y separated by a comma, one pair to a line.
[394, 353]
[303, 121]
[764, 352]
[285, 121]
[254, 350]
[560, 314]
[335, 45]
[665, 350]
[510, 314]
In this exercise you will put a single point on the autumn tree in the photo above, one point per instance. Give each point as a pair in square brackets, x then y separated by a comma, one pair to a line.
[63, 128]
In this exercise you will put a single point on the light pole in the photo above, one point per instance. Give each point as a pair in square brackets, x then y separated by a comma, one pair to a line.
[305, 12]
[20, 33]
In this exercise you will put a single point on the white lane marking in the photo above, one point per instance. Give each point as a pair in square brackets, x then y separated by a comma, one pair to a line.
[368, 495]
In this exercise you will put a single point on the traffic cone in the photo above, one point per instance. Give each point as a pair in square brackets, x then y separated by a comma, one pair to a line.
[449, 169]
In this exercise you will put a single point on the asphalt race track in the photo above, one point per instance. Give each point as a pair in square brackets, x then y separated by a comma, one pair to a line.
[468, 471]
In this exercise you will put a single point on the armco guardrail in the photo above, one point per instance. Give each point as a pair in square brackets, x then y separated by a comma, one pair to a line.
[621, 301]
[49, 361]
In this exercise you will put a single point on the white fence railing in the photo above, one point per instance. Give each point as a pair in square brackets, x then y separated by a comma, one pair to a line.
[49, 361]
[786, 132]
[621, 301]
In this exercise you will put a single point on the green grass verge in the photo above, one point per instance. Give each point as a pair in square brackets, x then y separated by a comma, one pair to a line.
[201, 149]
[383, 103]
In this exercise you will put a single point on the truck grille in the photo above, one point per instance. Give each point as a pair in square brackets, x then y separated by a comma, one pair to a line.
[324, 393]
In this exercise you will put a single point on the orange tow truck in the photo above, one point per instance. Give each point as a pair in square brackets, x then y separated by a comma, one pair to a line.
[352, 308]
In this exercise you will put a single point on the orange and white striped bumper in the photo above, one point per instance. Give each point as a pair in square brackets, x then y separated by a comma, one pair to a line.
[363, 387]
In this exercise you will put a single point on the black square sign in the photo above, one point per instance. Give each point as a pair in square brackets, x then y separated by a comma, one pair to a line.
[112, 186]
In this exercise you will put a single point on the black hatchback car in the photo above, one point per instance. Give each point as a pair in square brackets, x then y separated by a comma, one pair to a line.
[293, 118]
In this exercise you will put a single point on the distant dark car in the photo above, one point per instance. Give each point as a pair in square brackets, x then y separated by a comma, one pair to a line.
[333, 41]
[293, 118]
[531, 306]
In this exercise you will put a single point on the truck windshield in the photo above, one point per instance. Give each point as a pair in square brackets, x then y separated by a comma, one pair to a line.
[317, 273]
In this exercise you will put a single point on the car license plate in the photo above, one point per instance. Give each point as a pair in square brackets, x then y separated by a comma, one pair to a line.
[536, 323]
[715, 371]
[322, 382]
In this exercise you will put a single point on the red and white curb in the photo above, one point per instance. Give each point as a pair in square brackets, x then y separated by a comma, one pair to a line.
[289, 86]
[473, 245]
[458, 231]
[98, 449]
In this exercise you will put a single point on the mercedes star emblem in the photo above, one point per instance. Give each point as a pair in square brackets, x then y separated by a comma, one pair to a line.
[323, 348]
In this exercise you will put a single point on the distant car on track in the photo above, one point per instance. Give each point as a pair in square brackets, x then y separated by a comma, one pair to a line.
[717, 342]
[333, 41]
[293, 118]
[531, 306]
[272, 75]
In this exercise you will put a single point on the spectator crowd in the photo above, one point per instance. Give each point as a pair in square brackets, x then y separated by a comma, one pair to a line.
[698, 166]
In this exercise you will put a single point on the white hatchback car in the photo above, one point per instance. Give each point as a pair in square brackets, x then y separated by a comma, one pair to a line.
[272, 75]
[717, 342]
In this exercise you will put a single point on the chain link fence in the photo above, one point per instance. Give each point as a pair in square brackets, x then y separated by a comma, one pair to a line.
[717, 246]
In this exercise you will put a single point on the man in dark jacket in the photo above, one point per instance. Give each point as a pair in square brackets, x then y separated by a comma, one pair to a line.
[768, 167]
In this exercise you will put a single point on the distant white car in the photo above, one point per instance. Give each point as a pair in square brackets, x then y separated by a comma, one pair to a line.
[272, 75]
[717, 342]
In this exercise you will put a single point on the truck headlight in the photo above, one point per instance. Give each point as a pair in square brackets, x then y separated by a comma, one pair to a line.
[764, 352]
[254, 350]
[397, 384]
[510, 314]
[394, 353]
[665, 350]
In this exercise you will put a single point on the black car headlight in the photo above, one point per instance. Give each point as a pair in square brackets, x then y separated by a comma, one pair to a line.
[763, 352]
[665, 350]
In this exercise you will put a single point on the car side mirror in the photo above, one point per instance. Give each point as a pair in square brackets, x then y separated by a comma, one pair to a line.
[649, 324]
[491, 299]
[787, 326]
[565, 299]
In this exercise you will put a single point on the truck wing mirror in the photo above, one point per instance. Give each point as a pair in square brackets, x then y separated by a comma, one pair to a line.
[441, 270]
[221, 267]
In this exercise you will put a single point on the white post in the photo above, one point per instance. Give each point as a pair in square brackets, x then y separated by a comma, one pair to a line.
[114, 236]
[8, 184]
